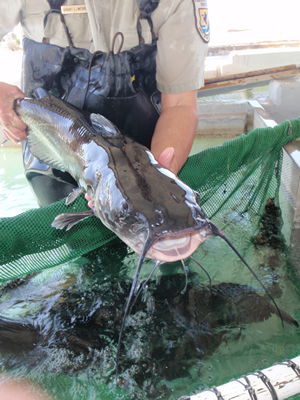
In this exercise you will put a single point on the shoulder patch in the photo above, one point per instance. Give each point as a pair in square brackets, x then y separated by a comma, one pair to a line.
[201, 17]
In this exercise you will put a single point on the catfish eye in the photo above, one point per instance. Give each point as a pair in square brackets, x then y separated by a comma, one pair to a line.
[124, 209]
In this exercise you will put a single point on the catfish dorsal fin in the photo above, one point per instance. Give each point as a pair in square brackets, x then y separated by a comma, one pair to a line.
[104, 126]
[40, 92]
[73, 195]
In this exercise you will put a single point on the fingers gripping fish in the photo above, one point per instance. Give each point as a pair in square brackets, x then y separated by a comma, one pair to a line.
[146, 205]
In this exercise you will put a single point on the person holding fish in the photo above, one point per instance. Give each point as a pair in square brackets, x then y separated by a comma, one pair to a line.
[138, 64]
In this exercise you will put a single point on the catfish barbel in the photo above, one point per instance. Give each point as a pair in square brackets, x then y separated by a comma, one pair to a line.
[146, 205]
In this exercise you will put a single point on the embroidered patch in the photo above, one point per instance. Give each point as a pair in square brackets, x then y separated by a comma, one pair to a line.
[76, 9]
[202, 21]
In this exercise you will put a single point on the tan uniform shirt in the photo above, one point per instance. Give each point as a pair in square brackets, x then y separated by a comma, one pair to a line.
[181, 50]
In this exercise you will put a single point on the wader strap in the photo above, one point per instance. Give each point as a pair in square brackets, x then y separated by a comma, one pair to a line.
[55, 7]
[104, 64]
[146, 8]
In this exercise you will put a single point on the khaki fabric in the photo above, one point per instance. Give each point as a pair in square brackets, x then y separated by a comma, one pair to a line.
[181, 50]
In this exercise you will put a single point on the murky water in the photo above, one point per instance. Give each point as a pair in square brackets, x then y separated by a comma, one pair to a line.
[60, 327]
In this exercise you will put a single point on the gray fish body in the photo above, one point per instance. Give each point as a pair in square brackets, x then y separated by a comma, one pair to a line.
[132, 194]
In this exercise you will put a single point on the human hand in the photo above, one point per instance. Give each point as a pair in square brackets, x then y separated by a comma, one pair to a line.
[13, 128]
[20, 390]
[166, 156]
[90, 203]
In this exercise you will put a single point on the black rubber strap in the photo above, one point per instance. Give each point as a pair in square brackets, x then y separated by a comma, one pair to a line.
[55, 4]
[55, 7]
[291, 364]
[267, 383]
[247, 387]
[146, 7]
[217, 393]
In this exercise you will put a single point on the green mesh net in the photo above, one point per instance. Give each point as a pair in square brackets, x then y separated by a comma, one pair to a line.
[240, 175]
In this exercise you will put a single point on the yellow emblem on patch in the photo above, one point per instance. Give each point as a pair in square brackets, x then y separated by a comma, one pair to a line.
[202, 20]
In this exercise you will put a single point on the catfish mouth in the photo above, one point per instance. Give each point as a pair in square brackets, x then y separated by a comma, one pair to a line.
[173, 248]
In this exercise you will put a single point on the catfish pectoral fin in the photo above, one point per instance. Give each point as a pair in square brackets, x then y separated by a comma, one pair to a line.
[70, 219]
[73, 196]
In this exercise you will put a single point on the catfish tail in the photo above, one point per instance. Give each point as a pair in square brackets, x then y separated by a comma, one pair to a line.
[217, 232]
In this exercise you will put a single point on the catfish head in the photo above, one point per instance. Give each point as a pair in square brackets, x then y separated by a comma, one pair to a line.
[149, 207]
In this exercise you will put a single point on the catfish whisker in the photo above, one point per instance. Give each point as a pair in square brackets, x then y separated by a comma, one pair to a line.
[210, 284]
[186, 277]
[147, 245]
[217, 232]
[158, 263]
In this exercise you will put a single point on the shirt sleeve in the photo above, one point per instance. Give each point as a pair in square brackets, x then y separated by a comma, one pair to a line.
[10, 15]
[181, 51]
